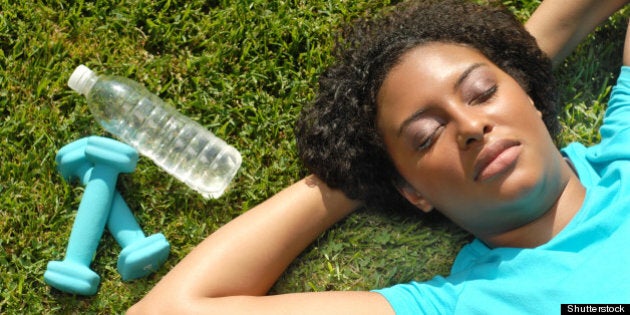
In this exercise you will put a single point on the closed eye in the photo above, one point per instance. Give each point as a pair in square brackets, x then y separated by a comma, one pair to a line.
[485, 95]
[430, 139]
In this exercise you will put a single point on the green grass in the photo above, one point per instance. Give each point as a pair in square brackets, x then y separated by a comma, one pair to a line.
[241, 68]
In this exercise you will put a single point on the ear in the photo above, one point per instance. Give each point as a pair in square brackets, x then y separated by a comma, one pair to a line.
[415, 198]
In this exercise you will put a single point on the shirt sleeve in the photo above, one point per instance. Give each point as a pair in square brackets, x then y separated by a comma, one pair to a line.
[436, 296]
[615, 131]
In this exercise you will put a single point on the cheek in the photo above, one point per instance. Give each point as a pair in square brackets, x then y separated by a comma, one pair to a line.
[516, 101]
[530, 125]
[435, 173]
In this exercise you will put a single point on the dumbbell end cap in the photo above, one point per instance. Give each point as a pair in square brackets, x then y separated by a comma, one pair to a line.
[143, 257]
[71, 277]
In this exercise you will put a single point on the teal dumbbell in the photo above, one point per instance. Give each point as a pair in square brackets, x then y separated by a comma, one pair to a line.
[140, 255]
[109, 158]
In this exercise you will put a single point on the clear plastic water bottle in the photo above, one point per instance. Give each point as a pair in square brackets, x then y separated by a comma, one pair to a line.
[179, 145]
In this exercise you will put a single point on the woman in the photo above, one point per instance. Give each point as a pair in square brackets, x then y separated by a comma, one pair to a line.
[445, 131]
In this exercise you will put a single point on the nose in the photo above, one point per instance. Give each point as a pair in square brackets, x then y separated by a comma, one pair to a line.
[472, 126]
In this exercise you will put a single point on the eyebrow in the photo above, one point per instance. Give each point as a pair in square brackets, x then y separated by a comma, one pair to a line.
[418, 114]
[466, 74]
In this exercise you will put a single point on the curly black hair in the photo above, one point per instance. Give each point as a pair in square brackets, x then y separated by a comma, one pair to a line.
[337, 137]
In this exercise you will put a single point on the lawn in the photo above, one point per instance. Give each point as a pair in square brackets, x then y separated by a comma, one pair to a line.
[243, 69]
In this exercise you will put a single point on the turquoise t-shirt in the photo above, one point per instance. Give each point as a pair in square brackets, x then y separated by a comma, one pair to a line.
[587, 262]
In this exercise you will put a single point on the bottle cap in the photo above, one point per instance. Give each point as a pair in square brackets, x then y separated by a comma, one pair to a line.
[82, 79]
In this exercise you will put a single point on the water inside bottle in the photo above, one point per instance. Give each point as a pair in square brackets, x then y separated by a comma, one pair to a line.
[180, 146]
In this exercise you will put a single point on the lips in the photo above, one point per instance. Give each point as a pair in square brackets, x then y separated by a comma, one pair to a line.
[495, 158]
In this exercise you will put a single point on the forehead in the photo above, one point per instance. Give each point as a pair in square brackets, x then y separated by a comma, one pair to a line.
[431, 62]
[443, 49]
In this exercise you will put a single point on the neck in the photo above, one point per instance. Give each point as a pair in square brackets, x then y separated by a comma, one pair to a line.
[544, 228]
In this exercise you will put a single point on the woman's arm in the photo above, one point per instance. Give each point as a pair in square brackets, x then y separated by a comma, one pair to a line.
[230, 271]
[559, 25]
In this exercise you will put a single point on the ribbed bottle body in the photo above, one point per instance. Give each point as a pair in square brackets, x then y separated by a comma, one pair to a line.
[176, 143]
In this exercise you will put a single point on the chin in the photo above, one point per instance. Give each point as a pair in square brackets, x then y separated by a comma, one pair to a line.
[523, 186]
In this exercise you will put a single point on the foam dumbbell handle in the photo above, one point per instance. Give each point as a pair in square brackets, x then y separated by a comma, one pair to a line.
[92, 215]
[122, 224]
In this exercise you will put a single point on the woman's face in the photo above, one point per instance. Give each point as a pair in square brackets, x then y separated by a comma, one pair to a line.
[468, 140]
